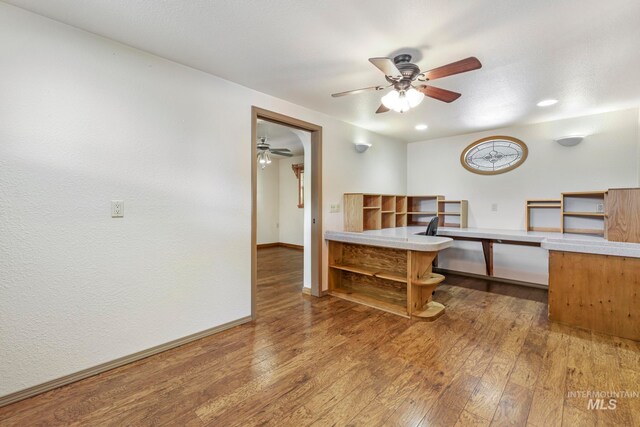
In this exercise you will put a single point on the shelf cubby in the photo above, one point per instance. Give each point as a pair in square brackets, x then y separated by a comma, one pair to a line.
[453, 213]
[543, 215]
[388, 219]
[584, 212]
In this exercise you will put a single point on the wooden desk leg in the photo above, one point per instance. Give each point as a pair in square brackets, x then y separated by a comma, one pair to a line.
[487, 249]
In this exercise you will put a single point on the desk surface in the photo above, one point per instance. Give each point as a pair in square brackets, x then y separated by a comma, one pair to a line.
[406, 238]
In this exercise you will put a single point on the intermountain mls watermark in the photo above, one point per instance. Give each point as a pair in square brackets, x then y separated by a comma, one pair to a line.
[602, 400]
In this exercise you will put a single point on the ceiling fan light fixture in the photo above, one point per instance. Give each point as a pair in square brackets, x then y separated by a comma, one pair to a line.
[402, 101]
[390, 100]
[415, 97]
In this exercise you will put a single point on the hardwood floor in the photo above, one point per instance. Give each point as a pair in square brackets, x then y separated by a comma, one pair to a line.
[493, 358]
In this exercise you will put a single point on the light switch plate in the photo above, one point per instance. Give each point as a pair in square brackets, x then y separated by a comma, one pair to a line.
[334, 208]
[494, 207]
[117, 209]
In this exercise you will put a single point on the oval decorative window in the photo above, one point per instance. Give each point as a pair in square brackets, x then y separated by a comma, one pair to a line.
[494, 154]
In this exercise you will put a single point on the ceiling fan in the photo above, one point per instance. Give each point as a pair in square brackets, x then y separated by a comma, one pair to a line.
[265, 151]
[406, 80]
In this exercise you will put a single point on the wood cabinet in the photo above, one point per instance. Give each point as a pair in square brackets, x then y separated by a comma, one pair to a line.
[623, 215]
[596, 292]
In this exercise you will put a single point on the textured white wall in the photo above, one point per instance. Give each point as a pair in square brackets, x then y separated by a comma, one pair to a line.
[267, 201]
[606, 158]
[86, 120]
[291, 217]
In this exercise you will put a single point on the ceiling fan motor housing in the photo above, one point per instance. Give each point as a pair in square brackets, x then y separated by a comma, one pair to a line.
[408, 70]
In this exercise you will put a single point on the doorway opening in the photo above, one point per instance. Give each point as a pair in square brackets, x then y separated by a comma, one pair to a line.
[298, 221]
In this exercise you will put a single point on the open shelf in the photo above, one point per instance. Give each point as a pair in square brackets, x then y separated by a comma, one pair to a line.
[372, 272]
[372, 201]
[591, 214]
[388, 203]
[354, 269]
[453, 208]
[391, 275]
[594, 231]
[370, 301]
[546, 206]
[543, 215]
[583, 212]
[388, 219]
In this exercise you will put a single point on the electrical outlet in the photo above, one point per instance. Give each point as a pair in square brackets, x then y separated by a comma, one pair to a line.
[600, 207]
[334, 208]
[117, 209]
[494, 207]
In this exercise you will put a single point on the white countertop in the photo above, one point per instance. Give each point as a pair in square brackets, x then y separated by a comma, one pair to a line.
[406, 238]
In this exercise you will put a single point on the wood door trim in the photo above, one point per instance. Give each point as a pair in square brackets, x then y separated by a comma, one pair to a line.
[316, 197]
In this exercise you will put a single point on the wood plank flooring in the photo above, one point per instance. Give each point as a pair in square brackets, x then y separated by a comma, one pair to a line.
[492, 359]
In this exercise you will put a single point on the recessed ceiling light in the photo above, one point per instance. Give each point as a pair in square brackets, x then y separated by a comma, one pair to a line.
[547, 102]
[421, 127]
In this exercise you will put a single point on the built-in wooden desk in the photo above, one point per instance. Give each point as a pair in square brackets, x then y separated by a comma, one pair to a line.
[593, 283]
[393, 274]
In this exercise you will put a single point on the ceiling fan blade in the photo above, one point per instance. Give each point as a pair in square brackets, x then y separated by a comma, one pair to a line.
[381, 109]
[281, 149]
[457, 67]
[282, 153]
[439, 94]
[353, 92]
[387, 66]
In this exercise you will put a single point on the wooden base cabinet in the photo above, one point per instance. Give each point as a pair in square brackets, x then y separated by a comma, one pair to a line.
[393, 280]
[596, 292]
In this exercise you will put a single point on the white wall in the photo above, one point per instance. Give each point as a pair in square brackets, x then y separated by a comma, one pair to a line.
[86, 120]
[291, 217]
[606, 158]
[267, 201]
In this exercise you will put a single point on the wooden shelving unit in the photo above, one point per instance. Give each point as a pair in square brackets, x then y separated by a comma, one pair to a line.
[393, 280]
[453, 213]
[364, 212]
[543, 215]
[584, 212]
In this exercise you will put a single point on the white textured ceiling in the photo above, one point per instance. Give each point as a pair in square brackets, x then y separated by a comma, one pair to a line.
[279, 136]
[583, 52]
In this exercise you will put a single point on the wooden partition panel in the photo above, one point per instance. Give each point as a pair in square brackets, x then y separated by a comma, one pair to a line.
[596, 292]
[623, 215]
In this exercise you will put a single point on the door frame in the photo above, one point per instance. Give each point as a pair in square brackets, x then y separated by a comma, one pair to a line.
[316, 197]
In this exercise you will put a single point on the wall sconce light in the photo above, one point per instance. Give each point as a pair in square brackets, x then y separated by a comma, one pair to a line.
[361, 147]
[570, 141]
